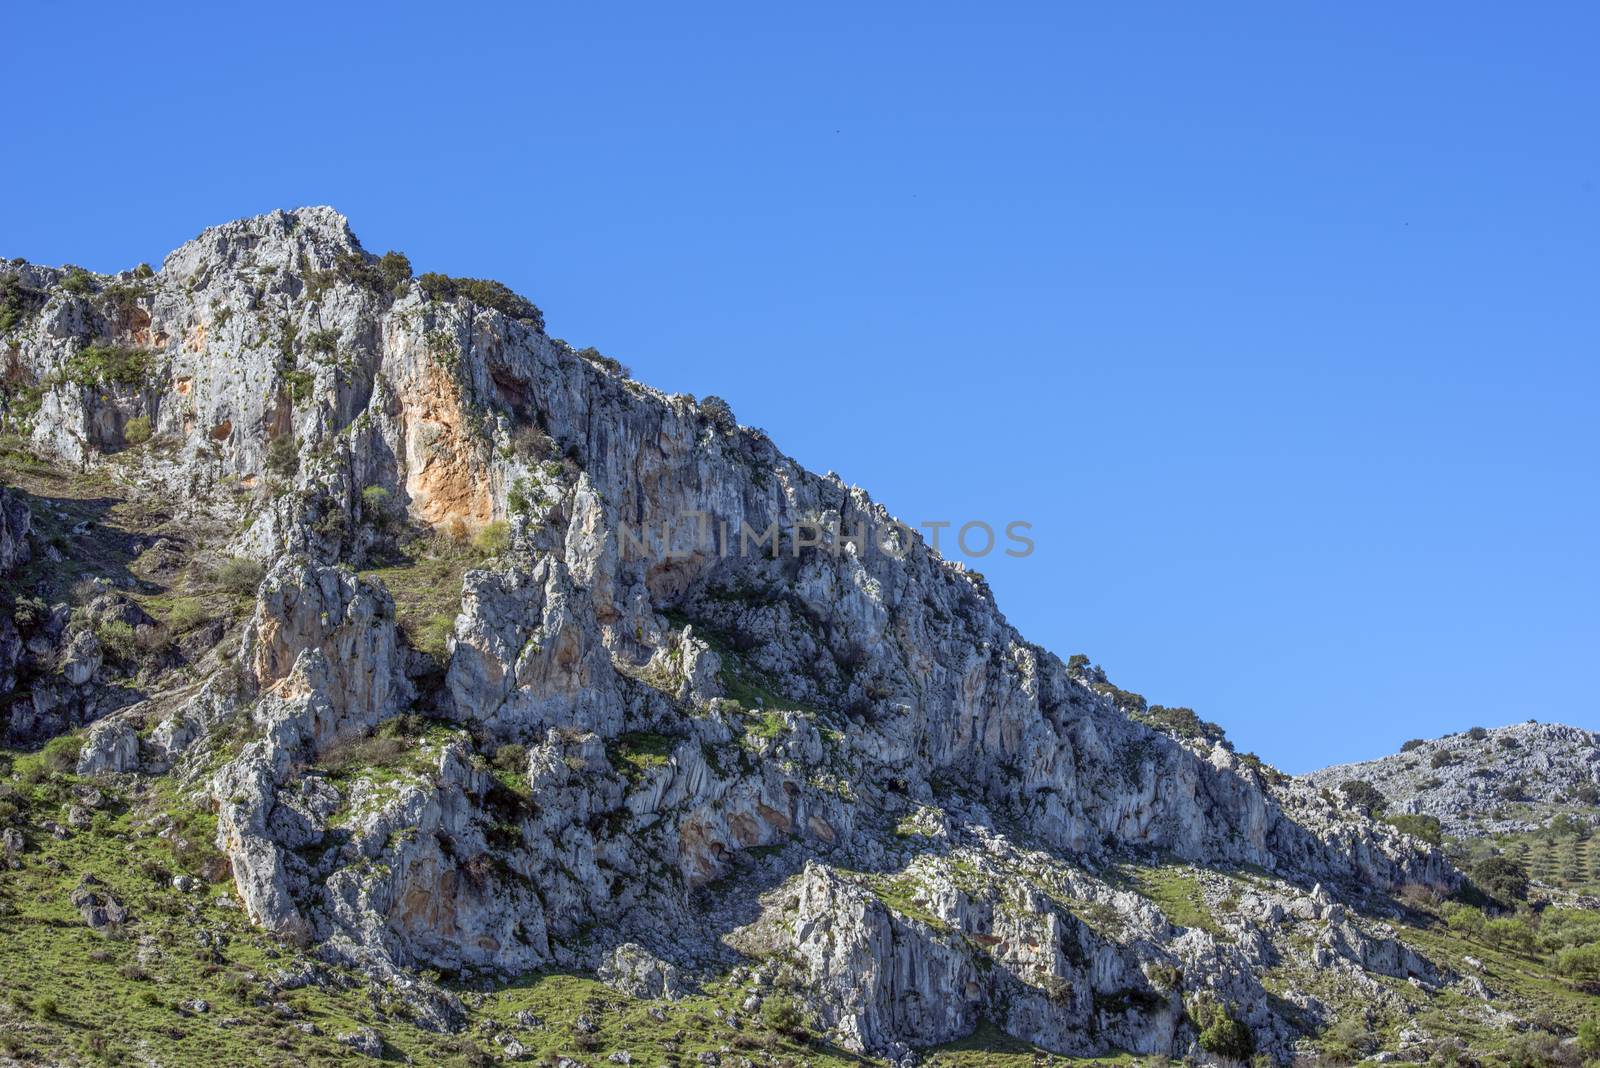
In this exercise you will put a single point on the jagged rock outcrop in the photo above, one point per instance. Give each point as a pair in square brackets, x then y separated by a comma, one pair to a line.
[681, 657]
[319, 629]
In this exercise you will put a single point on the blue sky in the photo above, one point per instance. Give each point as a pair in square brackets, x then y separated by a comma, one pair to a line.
[1279, 323]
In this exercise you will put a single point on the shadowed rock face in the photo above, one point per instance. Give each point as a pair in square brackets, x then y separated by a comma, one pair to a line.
[15, 520]
[916, 804]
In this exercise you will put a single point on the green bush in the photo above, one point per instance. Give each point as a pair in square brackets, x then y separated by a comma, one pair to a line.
[117, 638]
[29, 613]
[1363, 795]
[492, 539]
[17, 301]
[405, 725]
[109, 365]
[395, 270]
[1580, 962]
[326, 341]
[136, 431]
[780, 1013]
[1509, 932]
[1501, 878]
[1417, 825]
[375, 500]
[511, 758]
[61, 753]
[78, 282]
[1443, 758]
[1477, 734]
[484, 291]
[1414, 743]
[1220, 1032]
[239, 575]
[1348, 1041]
[595, 356]
[299, 385]
[1589, 1037]
[523, 497]
[718, 413]
[1181, 721]
[1464, 919]
[283, 456]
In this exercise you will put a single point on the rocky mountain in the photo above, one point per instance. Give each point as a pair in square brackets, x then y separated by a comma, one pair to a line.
[412, 664]
[1486, 780]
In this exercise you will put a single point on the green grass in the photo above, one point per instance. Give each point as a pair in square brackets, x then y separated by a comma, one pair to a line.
[624, 1023]
[426, 589]
[904, 895]
[990, 1047]
[636, 753]
[1176, 891]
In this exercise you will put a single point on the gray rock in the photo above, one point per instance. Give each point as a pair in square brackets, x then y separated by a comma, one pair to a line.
[111, 746]
[635, 971]
[96, 905]
[365, 1041]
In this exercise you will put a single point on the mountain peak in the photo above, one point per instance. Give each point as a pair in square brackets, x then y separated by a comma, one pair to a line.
[447, 650]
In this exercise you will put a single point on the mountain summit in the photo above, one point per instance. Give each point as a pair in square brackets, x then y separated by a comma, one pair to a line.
[347, 637]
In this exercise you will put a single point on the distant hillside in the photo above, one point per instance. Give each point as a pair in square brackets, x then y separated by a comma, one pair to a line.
[1487, 781]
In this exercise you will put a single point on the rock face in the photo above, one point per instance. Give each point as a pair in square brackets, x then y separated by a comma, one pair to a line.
[1485, 781]
[15, 522]
[918, 806]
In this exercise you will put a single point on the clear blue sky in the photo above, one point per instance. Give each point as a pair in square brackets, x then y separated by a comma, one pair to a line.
[1280, 323]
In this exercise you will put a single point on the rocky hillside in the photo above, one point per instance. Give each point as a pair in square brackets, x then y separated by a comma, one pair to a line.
[340, 692]
[1487, 780]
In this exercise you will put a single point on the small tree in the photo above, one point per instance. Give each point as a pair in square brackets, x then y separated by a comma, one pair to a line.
[1220, 1032]
[283, 456]
[1501, 878]
[1362, 795]
[375, 505]
[718, 413]
[395, 270]
[136, 431]
[780, 1013]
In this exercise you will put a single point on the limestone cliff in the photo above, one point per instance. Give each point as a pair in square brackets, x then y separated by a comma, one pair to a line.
[931, 821]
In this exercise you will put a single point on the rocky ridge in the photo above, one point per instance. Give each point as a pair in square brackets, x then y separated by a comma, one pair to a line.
[838, 770]
[1486, 780]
